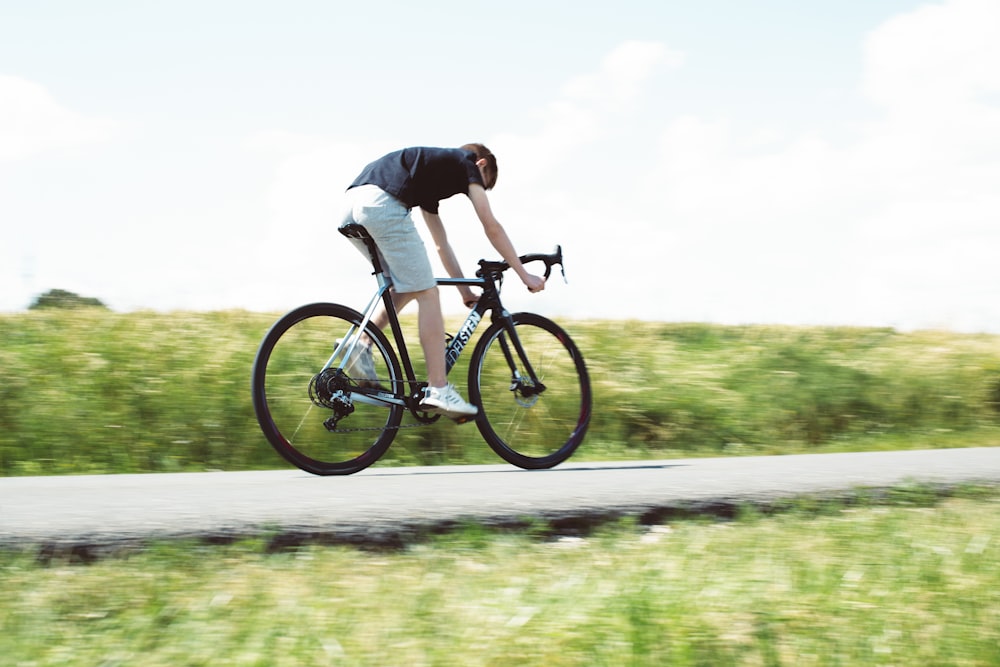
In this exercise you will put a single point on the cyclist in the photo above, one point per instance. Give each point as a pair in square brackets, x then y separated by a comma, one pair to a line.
[380, 200]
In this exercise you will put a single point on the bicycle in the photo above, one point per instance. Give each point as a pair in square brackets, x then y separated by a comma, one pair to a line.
[526, 376]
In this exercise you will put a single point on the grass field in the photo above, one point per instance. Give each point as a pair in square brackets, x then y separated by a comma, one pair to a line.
[913, 582]
[90, 391]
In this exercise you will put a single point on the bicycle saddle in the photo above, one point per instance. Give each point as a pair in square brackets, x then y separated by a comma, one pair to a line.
[354, 231]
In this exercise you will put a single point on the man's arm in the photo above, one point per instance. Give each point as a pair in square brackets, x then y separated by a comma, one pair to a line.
[447, 255]
[497, 236]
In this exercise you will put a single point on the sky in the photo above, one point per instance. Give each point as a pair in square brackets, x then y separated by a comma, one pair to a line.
[833, 162]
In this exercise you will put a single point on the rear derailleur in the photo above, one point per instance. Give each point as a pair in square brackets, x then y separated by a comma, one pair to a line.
[331, 389]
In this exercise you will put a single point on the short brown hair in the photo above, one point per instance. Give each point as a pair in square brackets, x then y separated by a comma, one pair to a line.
[490, 170]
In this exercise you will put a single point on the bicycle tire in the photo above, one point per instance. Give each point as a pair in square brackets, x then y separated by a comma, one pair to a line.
[292, 405]
[530, 431]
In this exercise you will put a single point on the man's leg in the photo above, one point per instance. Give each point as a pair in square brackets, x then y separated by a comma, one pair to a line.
[430, 321]
[440, 396]
[399, 301]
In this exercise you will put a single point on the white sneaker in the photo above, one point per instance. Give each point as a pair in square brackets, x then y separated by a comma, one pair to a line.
[361, 367]
[447, 401]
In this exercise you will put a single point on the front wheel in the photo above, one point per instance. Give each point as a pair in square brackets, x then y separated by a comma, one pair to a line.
[533, 391]
[318, 411]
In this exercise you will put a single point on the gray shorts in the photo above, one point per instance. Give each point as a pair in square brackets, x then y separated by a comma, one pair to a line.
[388, 221]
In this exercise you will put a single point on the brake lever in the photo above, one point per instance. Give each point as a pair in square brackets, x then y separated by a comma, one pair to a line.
[554, 258]
[562, 267]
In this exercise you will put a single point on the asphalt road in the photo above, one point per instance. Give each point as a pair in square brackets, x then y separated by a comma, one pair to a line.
[388, 505]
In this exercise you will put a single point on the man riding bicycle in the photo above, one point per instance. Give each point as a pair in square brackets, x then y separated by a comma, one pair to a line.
[380, 200]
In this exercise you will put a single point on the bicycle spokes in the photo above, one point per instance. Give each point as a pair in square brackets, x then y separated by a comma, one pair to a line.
[533, 391]
[306, 400]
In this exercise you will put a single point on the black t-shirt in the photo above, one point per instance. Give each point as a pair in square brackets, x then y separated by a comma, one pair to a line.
[422, 176]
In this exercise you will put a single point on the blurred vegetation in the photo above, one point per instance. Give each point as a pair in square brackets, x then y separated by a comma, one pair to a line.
[90, 391]
[913, 583]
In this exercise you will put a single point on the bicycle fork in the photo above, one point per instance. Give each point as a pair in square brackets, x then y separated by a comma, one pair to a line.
[526, 390]
[524, 382]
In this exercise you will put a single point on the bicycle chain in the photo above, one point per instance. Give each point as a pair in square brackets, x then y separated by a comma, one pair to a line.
[383, 428]
[380, 428]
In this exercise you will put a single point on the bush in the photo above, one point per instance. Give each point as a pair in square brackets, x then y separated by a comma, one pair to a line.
[57, 298]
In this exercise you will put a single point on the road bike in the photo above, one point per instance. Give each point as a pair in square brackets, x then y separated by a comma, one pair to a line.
[526, 376]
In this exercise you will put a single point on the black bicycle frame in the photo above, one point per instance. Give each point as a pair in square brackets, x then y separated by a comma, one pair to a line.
[487, 278]
[489, 301]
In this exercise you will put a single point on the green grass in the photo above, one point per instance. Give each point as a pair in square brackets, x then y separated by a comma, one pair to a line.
[90, 391]
[914, 582]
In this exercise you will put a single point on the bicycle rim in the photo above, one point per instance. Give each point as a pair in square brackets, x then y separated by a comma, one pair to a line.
[295, 395]
[530, 430]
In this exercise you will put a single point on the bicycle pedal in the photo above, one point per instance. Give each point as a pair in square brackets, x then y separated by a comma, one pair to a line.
[463, 419]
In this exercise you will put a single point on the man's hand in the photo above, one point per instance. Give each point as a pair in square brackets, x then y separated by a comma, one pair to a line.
[469, 298]
[533, 283]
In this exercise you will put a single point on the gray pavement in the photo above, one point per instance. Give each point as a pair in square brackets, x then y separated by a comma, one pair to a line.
[386, 505]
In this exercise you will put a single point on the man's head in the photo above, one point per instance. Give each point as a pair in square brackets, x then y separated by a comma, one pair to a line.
[486, 162]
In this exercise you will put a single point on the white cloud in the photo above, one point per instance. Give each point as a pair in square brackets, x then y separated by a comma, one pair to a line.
[935, 58]
[934, 75]
[32, 121]
[897, 226]
[894, 225]
[621, 76]
[585, 109]
[936, 156]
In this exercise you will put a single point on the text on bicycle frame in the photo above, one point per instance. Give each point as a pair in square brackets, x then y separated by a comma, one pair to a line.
[462, 338]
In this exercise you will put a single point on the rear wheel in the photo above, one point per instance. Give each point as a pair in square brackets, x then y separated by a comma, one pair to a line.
[315, 415]
[531, 425]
